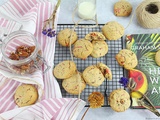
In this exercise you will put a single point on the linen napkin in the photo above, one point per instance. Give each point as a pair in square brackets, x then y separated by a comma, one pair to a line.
[31, 14]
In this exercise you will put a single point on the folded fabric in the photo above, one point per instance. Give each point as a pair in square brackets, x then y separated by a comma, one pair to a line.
[31, 14]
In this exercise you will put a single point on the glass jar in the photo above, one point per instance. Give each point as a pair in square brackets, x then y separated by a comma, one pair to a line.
[86, 9]
[21, 53]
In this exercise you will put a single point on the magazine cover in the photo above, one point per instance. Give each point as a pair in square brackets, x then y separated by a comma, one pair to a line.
[145, 46]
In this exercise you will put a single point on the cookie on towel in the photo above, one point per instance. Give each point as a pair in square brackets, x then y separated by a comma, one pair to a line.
[64, 37]
[119, 100]
[25, 95]
[95, 36]
[64, 69]
[93, 76]
[127, 59]
[113, 30]
[100, 48]
[82, 49]
[122, 8]
[74, 83]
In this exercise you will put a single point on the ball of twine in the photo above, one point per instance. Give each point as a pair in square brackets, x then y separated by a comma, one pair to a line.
[148, 14]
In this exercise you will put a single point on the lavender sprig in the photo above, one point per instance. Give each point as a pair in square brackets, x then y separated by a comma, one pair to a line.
[124, 81]
[47, 30]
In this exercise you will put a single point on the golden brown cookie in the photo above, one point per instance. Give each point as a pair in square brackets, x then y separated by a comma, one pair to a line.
[95, 36]
[119, 100]
[93, 76]
[157, 57]
[113, 30]
[64, 37]
[127, 59]
[100, 48]
[105, 70]
[64, 69]
[75, 84]
[82, 49]
[122, 8]
[96, 100]
[25, 95]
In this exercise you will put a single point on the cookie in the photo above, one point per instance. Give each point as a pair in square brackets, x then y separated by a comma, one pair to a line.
[96, 99]
[93, 76]
[75, 84]
[100, 48]
[95, 36]
[25, 95]
[82, 49]
[127, 59]
[119, 100]
[113, 30]
[157, 57]
[64, 37]
[105, 70]
[122, 8]
[64, 69]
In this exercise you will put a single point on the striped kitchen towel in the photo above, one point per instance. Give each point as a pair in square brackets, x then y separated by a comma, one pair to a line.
[31, 14]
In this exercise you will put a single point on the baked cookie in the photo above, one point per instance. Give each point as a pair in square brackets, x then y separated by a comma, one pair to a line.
[25, 95]
[127, 59]
[122, 8]
[64, 69]
[157, 57]
[100, 48]
[113, 30]
[95, 36]
[93, 76]
[96, 100]
[82, 49]
[64, 37]
[105, 70]
[119, 100]
[75, 84]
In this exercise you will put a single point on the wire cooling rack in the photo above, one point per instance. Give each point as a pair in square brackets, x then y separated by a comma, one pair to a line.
[63, 53]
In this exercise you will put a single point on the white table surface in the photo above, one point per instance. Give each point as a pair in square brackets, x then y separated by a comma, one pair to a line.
[105, 14]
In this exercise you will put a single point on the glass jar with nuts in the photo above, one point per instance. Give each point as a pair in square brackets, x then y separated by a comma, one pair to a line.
[21, 53]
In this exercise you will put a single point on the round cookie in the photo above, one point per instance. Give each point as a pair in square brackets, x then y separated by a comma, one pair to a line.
[127, 59]
[119, 100]
[95, 36]
[113, 30]
[82, 49]
[75, 84]
[105, 70]
[64, 69]
[157, 57]
[25, 95]
[122, 8]
[64, 37]
[100, 48]
[93, 76]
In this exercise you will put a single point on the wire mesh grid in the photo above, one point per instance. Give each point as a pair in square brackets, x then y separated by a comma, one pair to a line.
[63, 53]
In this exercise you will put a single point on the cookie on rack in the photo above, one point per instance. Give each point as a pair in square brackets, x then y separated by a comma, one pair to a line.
[119, 100]
[93, 76]
[25, 95]
[64, 69]
[113, 30]
[65, 35]
[127, 59]
[95, 36]
[157, 57]
[122, 8]
[75, 84]
[82, 49]
[100, 48]
[105, 70]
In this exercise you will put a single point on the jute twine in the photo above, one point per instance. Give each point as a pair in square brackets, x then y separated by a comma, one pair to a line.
[148, 14]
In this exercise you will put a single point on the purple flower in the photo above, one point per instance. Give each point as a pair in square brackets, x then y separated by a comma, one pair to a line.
[124, 81]
[49, 32]
[44, 32]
